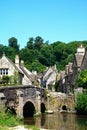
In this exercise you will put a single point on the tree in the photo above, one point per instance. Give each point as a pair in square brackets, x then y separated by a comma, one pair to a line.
[59, 50]
[11, 53]
[13, 42]
[3, 49]
[37, 66]
[46, 56]
[82, 79]
[30, 43]
[38, 43]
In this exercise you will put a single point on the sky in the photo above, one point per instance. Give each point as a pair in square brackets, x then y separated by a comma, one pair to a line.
[53, 20]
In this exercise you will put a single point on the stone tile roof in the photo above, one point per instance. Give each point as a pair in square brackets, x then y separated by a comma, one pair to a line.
[84, 62]
[31, 76]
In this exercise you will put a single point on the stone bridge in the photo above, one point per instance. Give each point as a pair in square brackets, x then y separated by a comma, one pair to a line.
[23, 100]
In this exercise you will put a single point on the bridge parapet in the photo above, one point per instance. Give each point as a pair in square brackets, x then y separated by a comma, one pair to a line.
[17, 96]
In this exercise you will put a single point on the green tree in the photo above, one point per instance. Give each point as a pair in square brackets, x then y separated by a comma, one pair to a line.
[13, 42]
[11, 53]
[46, 56]
[37, 66]
[38, 42]
[59, 50]
[30, 43]
[29, 55]
[82, 79]
[3, 49]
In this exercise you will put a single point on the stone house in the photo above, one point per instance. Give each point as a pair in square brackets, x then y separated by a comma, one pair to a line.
[68, 80]
[16, 70]
[84, 62]
[23, 76]
[61, 82]
[49, 77]
[78, 62]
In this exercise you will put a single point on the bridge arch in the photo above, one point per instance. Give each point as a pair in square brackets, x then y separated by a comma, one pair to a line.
[43, 108]
[64, 107]
[28, 109]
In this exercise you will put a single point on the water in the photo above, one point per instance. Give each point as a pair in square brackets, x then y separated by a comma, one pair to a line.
[59, 121]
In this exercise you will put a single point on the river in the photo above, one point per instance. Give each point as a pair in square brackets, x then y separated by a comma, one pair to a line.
[59, 121]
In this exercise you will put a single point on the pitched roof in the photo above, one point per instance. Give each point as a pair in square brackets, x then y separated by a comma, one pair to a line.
[84, 62]
[4, 57]
[31, 76]
[78, 59]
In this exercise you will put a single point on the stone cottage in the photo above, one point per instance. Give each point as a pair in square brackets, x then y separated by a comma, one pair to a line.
[16, 70]
[68, 79]
[49, 77]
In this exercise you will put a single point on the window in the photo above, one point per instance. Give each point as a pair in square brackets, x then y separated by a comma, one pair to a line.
[0, 71]
[4, 71]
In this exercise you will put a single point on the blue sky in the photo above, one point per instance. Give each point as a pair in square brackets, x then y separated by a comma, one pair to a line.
[53, 20]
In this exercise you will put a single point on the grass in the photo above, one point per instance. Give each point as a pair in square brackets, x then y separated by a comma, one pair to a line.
[8, 121]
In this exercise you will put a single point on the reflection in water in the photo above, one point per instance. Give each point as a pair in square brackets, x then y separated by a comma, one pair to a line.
[43, 118]
[59, 121]
[29, 121]
[82, 122]
[64, 117]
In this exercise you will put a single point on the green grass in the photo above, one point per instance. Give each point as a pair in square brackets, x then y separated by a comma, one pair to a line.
[7, 120]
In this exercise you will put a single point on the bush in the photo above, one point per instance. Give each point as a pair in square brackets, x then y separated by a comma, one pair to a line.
[81, 103]
[82, 79]
[7, 119]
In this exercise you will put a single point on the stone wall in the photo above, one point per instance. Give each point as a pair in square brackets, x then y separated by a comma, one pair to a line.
[57, 100]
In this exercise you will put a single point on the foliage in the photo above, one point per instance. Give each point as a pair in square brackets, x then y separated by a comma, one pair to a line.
[7, 119]
[11, 80]
[46, 56]
[37, 66]
[15, 79]
[5, 79]
[3, 49]
[30, 43]
[13, 42]
[81, 103]
[36, 43]
[38, 54]
[82, 79]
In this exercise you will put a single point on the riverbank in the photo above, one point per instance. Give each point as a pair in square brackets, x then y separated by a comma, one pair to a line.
[20, 127]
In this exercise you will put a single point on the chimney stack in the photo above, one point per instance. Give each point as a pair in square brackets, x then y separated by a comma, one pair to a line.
[17, 60]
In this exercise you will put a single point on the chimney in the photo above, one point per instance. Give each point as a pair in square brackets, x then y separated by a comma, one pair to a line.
[67, 69]
[22, 63]
[17, 60]
[81, 50]
[70, 67]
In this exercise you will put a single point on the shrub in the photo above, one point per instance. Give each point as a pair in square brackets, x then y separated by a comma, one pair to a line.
[81, 103]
